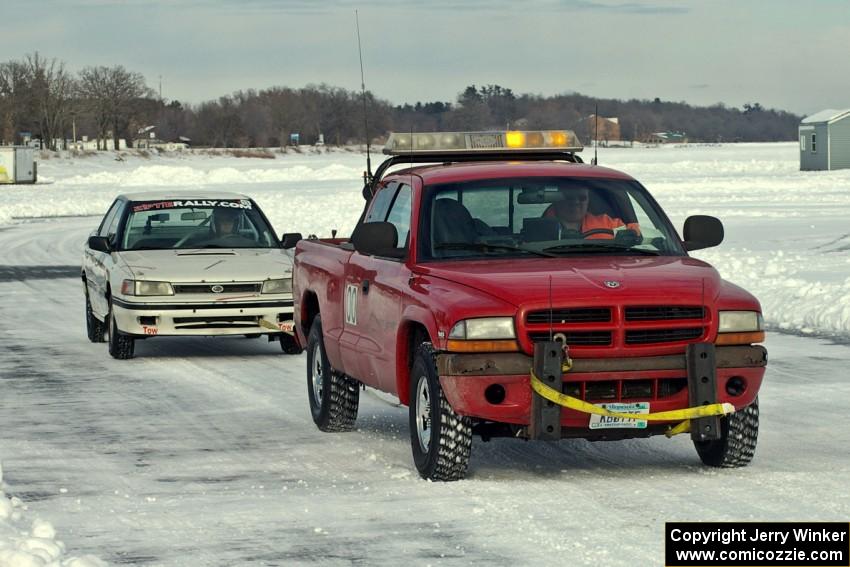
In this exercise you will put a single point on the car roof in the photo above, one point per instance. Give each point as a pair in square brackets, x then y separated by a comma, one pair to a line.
[182, 195]
[473, 171]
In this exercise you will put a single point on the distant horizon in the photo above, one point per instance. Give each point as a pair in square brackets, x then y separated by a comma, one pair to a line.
[722, 52]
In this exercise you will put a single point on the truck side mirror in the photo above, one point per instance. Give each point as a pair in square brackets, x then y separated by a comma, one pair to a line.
[376, 239]
[290, 239]
[100, 243]
[702, 231]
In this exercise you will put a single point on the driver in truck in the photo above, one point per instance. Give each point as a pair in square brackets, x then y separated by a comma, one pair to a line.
[572, 212]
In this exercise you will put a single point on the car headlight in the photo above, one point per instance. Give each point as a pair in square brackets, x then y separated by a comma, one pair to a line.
[283, 285]
[137, 287]
[488, 328]
[740, 322]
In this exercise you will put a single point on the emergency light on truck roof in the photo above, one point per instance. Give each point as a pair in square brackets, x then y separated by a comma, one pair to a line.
[506, 140]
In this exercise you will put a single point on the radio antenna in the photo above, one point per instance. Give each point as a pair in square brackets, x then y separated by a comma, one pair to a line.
[365, 113]
[595, 133]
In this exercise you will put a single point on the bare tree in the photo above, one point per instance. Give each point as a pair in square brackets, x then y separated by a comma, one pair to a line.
[14, 98]
[52, 90]
[112, 94]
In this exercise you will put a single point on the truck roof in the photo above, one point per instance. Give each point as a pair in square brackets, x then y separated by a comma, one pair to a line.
[471, 171]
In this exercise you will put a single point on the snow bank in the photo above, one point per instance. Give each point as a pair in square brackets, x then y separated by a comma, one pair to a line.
[32, 544]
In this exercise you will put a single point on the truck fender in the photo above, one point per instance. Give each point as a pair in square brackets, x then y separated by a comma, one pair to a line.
[417, 325]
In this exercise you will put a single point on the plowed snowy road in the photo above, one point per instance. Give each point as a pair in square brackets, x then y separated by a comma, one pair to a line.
[202, 452]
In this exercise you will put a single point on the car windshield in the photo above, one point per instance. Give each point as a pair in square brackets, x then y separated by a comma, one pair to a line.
[162, 225]
[543, 217]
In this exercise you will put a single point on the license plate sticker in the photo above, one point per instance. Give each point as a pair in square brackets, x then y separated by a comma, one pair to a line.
[605, 422]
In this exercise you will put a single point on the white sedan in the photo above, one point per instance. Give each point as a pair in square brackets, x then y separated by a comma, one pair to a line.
[175, 265]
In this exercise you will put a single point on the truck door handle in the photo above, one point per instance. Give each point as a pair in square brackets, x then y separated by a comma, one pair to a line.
[365, 286]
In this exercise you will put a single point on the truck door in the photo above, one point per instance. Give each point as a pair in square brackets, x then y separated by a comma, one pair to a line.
[380, 299]
[356, 295]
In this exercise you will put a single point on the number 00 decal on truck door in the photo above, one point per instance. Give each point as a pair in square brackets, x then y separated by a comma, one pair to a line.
[351, 304]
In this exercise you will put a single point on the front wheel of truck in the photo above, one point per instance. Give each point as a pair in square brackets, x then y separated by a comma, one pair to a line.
[334, 397]
[737, 444]
[441, 439]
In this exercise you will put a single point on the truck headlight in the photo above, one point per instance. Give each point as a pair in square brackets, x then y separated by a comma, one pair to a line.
[486, 328]
[739, 328]
[137, 287]
[283, 285]
[740, 322]
[488, 334]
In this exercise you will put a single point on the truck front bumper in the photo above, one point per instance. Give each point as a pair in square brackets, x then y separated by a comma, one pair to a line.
[193, 319]
[496, 386]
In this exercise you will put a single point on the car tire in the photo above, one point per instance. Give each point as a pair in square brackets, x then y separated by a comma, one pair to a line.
[441, 439]
[95, 328]
[289, 345]
[121, 345]
[737, 444]
[334, 397]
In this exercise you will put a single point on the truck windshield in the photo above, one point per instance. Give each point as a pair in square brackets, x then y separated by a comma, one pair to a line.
[543, 217]
[196, 224]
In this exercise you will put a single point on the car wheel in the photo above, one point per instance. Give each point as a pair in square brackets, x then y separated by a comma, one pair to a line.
[441, 439]
[289, 346]
[737, 444]
[121, 346]
[334, 397]
[95, 328]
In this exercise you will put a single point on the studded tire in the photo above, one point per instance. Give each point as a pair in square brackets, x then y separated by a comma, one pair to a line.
[334, 397]
[288, 345]
[121, 346]
[95, 328]
[737, 444]
[441, 439]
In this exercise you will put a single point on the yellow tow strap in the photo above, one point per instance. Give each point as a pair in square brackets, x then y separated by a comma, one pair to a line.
[673, 415]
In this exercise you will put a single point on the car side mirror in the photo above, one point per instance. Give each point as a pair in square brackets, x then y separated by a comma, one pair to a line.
[702, 231]
[377, 239]
[100, 243]
[290, 239]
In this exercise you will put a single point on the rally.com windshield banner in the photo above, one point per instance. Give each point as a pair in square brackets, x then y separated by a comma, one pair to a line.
[755, 544]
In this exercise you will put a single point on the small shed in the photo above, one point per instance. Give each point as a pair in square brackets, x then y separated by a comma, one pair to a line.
[17, 164]
[825, 140]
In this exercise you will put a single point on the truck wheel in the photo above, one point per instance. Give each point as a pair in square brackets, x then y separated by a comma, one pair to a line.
[737, 444]
[121, 346]
[334, 397]
[95, 328]
[288, 345]
[441, 439]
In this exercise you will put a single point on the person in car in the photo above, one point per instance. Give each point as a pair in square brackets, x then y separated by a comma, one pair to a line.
[572, 213]
[223, 228]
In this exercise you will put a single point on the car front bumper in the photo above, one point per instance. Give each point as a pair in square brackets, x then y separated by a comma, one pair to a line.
[203, 318]
[659, 380]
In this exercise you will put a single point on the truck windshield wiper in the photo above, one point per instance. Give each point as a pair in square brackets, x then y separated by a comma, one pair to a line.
[599, 247]
[484, 247]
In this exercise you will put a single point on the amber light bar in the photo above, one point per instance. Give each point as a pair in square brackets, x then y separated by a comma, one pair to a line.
[505, 140]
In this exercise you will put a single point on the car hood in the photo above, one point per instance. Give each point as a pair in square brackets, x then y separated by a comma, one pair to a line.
[210, 265]
[584, 280]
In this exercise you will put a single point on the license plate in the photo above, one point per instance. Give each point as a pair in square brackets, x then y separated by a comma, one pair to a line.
[605, 422]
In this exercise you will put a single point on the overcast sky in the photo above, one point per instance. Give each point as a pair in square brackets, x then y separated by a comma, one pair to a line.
[781, 53]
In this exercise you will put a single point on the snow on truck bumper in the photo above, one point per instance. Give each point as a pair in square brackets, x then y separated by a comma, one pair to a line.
[497, 386]
[207, 318]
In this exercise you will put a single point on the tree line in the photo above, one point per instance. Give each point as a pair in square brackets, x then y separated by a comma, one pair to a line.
[42, 97]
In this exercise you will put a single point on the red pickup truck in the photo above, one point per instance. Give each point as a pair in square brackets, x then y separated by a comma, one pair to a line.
[501, 287]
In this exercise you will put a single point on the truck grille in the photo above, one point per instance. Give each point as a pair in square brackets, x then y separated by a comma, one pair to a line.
[226, 288]
[577, 315]
[619, 326]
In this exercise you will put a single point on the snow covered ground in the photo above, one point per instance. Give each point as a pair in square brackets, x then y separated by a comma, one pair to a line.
[202, 451]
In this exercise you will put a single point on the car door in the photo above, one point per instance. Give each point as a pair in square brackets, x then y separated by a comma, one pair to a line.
[379, 296]
[99, 264]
